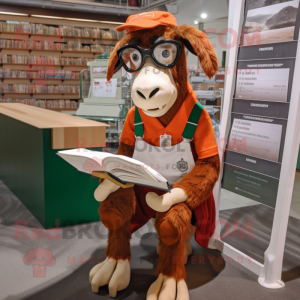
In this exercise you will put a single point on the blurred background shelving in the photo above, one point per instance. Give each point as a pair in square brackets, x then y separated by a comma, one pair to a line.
[48, 53]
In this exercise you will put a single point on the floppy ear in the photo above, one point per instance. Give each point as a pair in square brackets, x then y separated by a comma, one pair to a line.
[113, 63]
[198, 43]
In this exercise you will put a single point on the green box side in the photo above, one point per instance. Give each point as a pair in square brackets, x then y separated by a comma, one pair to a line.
[21, 163]
[69, 194]
[298, 161]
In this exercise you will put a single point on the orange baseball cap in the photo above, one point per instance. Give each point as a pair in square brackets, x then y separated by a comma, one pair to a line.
[148, 20]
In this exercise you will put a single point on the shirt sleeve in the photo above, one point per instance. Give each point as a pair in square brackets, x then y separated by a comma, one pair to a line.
[204, 138]
[128, 135]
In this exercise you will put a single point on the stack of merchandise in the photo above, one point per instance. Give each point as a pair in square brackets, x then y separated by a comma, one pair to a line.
[32, 102]
[62, 104]
[75, 61]
[98, 48]
[39, 88]
[61, 74]
[70, 31]
[21, 88]
[86, 75]
[48, 45]
[44, 29]
[50, 104]
[8, 73]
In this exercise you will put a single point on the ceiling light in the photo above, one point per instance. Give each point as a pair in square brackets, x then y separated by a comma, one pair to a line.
[109, 22]
[81, 20]
[204, 16]
[75, 19]
[196, 22]
[48, 17]
[62, 18]
[12, 13]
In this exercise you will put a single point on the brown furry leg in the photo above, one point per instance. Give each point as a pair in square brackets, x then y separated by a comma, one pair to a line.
[115, 213]
[172, 227]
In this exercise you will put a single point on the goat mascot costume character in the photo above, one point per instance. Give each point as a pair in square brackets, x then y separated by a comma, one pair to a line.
[171, 132]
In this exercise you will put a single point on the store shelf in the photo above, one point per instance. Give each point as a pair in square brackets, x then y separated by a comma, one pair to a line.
[12, 93]
[58, 36]
[39, 79]
[37, 65]
[56, 55]
[113, 131]
[51, 50]
[49, 101]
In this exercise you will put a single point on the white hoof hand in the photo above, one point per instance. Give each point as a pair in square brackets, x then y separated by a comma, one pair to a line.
[163, 203]
[156, 202]
[166, 288]
[104, 190]
[115, 274]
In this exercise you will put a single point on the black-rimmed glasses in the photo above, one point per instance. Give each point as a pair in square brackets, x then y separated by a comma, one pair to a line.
[164, 54]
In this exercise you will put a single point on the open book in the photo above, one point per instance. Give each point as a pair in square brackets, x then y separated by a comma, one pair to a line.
[121, 170]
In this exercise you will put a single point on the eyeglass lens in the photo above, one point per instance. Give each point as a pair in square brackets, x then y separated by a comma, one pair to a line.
[132, 58]
[165, 54]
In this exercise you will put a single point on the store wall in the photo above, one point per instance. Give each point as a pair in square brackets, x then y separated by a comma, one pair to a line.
[218, 37]
[230, 25]
[192, 60]
[217, 41]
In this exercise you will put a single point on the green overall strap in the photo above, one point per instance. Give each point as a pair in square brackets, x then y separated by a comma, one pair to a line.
[138, 124]
[193, 120]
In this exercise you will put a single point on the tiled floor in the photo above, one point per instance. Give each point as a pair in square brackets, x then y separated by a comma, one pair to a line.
[230, 200]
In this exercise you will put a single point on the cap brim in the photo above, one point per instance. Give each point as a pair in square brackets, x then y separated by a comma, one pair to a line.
[137, 25]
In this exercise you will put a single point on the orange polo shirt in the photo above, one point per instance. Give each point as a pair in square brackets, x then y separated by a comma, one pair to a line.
[204, 142]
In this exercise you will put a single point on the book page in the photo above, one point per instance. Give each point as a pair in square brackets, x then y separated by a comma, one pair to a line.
[86, 153]
[87, 161]
[135, 166]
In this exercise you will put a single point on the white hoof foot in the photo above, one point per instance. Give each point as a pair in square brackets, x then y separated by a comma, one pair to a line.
[182, 291]
[166, 288]
[115, 274]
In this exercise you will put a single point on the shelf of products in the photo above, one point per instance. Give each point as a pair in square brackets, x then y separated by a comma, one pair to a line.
[39, 74]
[61, 104]
[38, 80]
[34, 60]
[41, 65]
[51, 50]
[26, 34]
[12, 93]
[28, 88]
[35, 29]
[25, 73]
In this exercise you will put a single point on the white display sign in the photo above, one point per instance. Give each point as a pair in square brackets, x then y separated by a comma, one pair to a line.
[105, 89]
[262, 84]
[256, 139]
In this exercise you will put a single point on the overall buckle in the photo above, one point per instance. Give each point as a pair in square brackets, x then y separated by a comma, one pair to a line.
[139, 137]
[186, 140]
